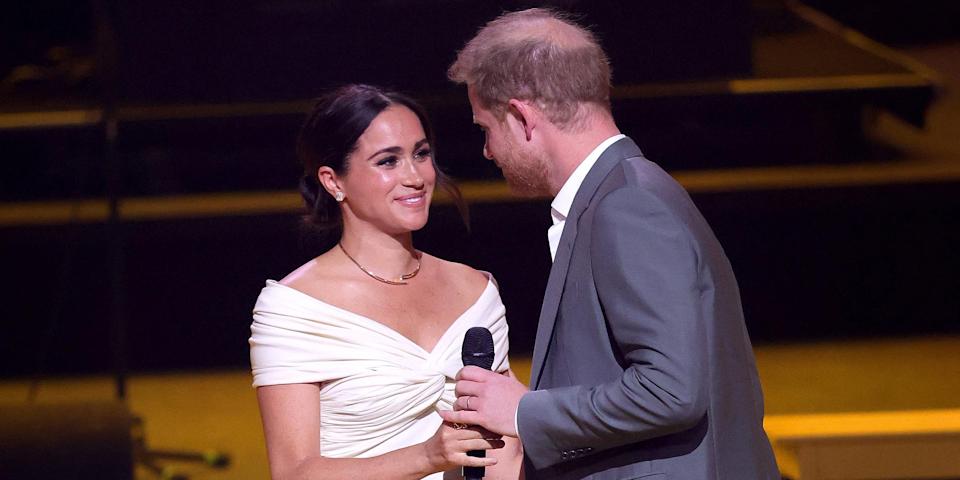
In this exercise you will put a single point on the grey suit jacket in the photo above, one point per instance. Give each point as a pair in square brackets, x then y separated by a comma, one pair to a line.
[642, 366]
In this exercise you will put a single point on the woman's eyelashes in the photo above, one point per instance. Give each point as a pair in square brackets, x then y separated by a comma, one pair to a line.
[388, 162]
[423, 153]
[392, 160]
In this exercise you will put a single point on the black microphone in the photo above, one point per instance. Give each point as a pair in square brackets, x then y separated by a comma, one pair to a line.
[477, 351]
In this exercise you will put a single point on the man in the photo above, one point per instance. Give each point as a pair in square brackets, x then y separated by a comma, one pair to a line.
[642, 365]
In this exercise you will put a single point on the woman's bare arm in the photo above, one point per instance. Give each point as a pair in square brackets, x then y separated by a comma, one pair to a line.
[291, 426]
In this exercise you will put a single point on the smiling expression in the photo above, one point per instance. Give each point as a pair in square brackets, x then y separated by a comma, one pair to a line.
[390, 175]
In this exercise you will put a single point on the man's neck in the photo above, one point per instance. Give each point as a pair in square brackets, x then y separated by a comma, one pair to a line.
[570, 149]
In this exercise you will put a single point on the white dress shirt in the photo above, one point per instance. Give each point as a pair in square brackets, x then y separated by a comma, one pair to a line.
[560, 207]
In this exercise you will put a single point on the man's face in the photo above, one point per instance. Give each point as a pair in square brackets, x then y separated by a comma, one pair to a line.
[525, 167]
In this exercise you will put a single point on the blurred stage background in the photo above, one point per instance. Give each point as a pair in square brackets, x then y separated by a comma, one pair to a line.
[147, 184]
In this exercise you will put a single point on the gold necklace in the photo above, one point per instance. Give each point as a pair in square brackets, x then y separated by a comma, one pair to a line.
[399, 281]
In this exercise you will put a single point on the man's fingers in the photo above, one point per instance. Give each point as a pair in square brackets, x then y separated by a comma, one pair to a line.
[447, 415]
[468, 388]
[474, 374]
[468, 417]
[467, 402]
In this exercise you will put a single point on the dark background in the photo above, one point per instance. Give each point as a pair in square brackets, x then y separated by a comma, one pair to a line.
[814, 262]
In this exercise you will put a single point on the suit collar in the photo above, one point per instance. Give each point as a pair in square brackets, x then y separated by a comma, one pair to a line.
[564, 200]
[621, 149]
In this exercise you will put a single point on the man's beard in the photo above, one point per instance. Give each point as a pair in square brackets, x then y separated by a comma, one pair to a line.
[527, 177]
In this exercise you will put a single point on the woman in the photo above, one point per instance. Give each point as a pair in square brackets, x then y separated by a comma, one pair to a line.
[355, 352]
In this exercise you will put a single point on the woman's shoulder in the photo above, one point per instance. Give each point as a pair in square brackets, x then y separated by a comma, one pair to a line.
[316, 276]
[320, 268]
[459, 273]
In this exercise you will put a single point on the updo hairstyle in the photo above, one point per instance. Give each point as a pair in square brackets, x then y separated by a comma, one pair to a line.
[329, 136]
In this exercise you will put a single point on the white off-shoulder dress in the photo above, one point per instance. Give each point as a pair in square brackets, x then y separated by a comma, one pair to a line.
[379, 391]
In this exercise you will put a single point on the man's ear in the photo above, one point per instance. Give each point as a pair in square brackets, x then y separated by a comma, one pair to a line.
[328, 180]
[526, 115]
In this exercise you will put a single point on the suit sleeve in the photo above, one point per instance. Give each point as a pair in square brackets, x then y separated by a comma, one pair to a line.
[645, 268]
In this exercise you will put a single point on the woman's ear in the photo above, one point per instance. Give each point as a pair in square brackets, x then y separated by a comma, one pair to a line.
[525, 114]
[329, 180]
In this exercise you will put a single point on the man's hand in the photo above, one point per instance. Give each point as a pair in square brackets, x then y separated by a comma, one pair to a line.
[487, 399]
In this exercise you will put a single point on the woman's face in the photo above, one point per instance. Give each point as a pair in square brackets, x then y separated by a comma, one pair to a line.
[390, 176]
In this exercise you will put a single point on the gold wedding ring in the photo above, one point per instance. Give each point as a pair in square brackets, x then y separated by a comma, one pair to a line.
[468, 403]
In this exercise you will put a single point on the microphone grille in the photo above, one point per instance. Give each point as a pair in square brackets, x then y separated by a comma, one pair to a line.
[478, 348]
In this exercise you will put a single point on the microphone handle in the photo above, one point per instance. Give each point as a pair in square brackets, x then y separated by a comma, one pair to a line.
[475, 473]
[477, 350]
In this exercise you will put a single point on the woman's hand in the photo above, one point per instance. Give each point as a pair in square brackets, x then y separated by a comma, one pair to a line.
[448, 447]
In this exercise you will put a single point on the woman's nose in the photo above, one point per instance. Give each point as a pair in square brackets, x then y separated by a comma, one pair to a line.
[412, 175]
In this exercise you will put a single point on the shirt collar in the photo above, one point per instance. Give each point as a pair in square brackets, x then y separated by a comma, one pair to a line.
[560, 207]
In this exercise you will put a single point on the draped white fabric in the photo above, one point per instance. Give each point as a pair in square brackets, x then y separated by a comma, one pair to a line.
[380, 390]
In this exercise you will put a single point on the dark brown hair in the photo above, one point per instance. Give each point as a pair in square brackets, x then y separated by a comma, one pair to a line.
[329, 135]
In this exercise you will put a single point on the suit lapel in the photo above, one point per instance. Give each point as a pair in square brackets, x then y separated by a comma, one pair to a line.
[623, 148]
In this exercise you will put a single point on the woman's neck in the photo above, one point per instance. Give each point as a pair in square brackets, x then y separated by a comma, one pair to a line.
[386, 255]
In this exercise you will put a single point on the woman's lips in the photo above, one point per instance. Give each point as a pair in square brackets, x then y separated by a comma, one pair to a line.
[413, 200]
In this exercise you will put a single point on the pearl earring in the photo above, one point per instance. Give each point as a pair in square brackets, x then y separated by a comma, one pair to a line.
[339, 196]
